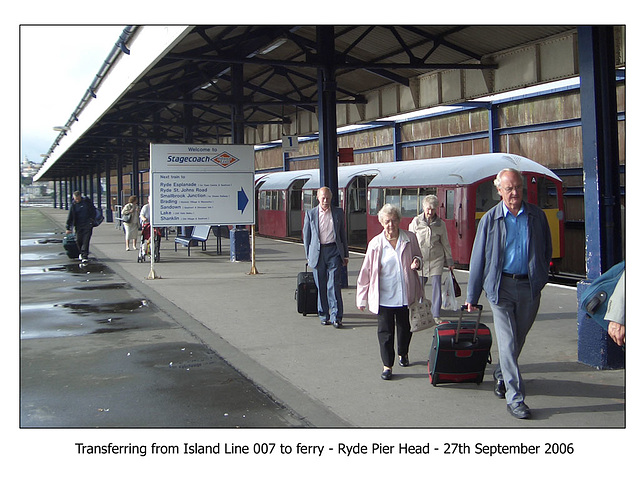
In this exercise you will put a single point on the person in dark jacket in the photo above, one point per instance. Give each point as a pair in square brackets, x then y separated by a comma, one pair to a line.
[510, 262]
[81, 216]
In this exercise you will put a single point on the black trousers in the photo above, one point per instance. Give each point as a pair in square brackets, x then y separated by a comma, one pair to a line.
[391, 319]
[83, 237]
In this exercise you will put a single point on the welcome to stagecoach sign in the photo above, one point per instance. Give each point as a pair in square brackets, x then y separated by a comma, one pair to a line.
[202, 185]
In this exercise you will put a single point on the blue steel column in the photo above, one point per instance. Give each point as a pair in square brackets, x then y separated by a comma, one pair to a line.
[107, 186]
[327, 122]
[66, 193]
[237, 110]
[494, 136]
[98, 188]
[603, 224]
[92, 185]
[61, 193]
[135, 165]
[119, 168]
[397, 141]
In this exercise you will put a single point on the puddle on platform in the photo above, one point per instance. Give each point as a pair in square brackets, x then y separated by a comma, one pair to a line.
[82, 308]
[42, 320]
[108, 286]
[75, 268]
[28, 242]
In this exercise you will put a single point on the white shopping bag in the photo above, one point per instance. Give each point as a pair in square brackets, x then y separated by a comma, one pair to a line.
[449, 301]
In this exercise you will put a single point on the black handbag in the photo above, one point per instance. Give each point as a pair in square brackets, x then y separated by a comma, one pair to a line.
[456, 286]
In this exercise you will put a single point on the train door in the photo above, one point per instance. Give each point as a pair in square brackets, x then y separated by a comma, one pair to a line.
[452, 211]
[543, 191]
[309, 201]
[356, 211]
[294, 208]
[257, 205]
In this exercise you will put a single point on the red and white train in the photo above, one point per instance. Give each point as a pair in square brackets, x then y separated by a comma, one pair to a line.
[463, 185]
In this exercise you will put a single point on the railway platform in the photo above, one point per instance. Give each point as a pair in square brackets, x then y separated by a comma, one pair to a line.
[331, 377]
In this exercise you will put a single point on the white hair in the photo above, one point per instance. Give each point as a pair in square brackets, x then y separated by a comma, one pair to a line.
[498, 178]
[389, 210]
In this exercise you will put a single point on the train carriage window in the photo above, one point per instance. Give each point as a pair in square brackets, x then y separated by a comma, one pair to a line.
[547, 193]
[392, 196]
[427, 191]
[375, 200]
[358, 195]
[280, 200]
[263, 200]
[409, 207]
[486, 196]
[309, 199]
[449, 206]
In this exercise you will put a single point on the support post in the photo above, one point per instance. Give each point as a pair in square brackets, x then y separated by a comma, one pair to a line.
[603, 223]
[327, 121]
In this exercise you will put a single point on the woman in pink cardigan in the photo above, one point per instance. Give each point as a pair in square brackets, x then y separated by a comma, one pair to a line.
[389, 283]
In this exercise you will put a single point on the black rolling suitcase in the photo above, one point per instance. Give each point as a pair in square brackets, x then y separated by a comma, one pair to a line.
[306, 293]
[459, 351]
[70, 246]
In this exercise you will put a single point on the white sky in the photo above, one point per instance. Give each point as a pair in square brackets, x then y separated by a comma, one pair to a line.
[57, 65]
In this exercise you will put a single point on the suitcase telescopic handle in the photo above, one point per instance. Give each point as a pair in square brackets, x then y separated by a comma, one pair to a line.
[475, 334]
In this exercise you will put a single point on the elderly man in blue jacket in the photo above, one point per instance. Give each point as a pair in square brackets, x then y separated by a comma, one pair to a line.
[326, 249]
[510, 262]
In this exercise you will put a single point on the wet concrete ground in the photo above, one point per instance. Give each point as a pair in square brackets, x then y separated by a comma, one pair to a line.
[95, 353]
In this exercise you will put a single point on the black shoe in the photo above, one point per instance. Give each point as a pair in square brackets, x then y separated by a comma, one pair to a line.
[519, 410]
[337, 324]
[500, 389]
[404, 360]
[325, 322]
[386, 374]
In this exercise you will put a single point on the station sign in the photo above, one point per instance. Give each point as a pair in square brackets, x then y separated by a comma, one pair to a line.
[289, 143]
[202, 185]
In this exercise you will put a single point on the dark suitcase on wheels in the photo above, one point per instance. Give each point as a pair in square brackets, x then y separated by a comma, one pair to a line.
[459, 351]
[70, 246]
[306, 293]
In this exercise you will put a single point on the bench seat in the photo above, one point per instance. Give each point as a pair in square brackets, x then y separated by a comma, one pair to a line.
[200, 233]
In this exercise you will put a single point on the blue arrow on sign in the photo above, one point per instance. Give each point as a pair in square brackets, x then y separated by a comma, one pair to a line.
[243, 200]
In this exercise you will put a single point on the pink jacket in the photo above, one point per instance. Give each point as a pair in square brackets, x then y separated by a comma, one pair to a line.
[368, 289]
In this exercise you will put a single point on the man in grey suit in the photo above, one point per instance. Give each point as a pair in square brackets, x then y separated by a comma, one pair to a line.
[325, 246]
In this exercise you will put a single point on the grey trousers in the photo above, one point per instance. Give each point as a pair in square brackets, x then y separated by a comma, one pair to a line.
[513, 317]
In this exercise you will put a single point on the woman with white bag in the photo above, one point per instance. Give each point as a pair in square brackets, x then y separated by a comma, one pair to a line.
[388, 283]
[431, 232]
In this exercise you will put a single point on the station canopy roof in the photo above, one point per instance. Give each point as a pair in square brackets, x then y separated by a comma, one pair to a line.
[212, 78]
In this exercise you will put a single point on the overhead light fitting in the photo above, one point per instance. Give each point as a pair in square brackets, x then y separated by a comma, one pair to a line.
[272, 46]
[208, 84]
[61, 129]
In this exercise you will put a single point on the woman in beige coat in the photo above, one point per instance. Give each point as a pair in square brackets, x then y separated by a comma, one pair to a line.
[131, 227]
[431, 232]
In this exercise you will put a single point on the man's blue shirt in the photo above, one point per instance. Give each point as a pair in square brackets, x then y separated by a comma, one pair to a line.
[516, 249]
